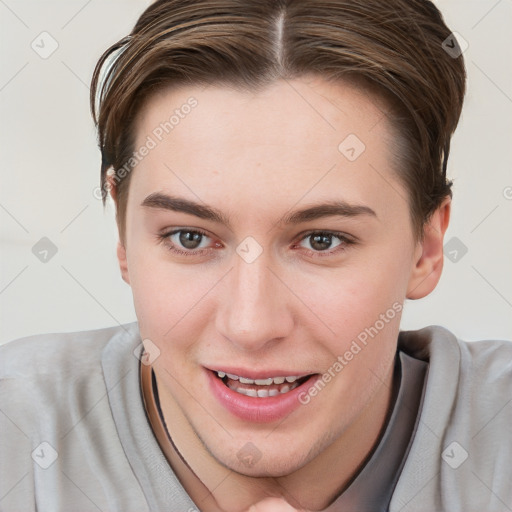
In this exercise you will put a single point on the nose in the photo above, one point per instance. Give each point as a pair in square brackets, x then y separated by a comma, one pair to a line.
[254, 306]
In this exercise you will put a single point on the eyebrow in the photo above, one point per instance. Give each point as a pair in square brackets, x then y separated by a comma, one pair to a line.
[161, 201]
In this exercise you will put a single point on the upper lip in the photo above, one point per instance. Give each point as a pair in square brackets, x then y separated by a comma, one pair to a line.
[259, 374]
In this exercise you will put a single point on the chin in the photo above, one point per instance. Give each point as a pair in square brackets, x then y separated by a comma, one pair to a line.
[271, 469]
[249, 461]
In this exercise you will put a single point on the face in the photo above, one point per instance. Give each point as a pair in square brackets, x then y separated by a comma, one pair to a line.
[267, 236]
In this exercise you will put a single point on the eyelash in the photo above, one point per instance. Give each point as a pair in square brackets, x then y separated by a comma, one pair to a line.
[164, 238]
[344, 239]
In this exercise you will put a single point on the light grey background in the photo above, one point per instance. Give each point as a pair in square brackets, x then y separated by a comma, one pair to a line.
[50, 169]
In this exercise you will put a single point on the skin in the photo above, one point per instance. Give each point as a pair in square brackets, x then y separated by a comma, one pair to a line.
[256, 157]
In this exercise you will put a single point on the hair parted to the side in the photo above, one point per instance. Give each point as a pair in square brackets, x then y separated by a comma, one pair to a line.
[393, 47]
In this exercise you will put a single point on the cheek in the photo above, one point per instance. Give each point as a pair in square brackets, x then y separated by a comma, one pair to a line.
[155, 293]
[350, 298]
[170, 301]
[175, 304]
[362, 308]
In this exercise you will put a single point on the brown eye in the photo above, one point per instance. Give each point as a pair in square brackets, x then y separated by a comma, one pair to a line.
[325, 244]
[322, 241]
[190, 239]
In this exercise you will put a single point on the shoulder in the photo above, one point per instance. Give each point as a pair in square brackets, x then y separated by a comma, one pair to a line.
[56, 418]
[459, 456]
[434, 343]
[468, 382]
[49, 354]
[485, 362]
[52, 379]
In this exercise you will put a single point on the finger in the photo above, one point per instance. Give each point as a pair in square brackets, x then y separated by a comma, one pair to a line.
[272, 505]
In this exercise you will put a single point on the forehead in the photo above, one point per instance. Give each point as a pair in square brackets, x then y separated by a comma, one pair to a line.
[293, 138]
[309, 108]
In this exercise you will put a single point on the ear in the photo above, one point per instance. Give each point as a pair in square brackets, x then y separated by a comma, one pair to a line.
[121, 249]
[429, 254]
[123, 262]
[111, 187]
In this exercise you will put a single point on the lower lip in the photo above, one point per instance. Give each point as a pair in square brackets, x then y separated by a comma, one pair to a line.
[258, 410]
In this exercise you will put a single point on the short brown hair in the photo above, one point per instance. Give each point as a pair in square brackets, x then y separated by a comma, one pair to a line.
[396, 47]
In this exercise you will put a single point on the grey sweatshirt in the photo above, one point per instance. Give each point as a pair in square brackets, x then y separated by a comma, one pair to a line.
[74, 435]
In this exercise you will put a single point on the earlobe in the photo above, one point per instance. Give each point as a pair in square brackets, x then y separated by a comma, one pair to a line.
[123, 262]
[429, 255]
[111, 187]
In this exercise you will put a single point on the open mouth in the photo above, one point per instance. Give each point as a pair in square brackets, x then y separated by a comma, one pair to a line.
[264, 399]
[261, 388]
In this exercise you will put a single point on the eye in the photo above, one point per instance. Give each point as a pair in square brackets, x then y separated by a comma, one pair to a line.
[194, 242]
[187, 242]
[325, 243]
[188, 239]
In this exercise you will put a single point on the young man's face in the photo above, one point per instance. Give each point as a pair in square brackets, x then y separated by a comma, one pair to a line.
[267, 292]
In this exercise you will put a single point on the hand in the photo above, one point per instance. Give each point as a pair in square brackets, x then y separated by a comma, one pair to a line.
[272, 505]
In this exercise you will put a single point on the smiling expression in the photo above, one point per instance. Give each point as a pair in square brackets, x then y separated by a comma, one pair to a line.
[258, 246]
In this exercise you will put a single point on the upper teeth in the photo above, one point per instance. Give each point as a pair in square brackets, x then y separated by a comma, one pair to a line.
[259, 382]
